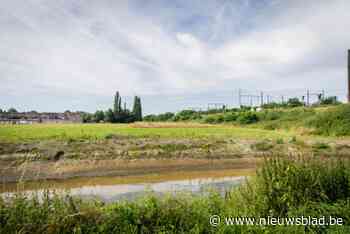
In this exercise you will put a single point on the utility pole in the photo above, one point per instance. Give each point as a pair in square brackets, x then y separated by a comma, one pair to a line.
[308, 98]
[348, 76]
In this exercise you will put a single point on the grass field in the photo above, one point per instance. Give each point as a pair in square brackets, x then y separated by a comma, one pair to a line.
[11, 133]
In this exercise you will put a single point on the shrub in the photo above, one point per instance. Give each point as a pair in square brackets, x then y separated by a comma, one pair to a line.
[333, 122]
[210, 119]
[247, 118]
[294, 102]
[330, 101]
[230, 117]
[187, 115]
[284, 184]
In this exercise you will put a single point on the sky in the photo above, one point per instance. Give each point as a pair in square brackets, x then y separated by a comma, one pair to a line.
[58, 55]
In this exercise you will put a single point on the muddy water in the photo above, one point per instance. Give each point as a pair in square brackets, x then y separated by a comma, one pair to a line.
[110, 189]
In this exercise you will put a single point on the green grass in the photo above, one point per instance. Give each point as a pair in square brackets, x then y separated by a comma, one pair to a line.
[284, 187]
[100, 131]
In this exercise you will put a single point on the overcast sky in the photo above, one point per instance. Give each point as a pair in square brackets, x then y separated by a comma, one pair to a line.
[63, 54]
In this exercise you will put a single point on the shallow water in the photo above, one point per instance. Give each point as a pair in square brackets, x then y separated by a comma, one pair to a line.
[115, 192]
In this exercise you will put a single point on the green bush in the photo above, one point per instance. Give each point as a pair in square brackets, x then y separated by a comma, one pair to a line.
[247, 118]
[210, 119]
[333, 122]
[230, 117]
[187, 115]
[285, 184]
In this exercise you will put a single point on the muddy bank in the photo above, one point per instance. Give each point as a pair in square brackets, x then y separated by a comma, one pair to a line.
[125, 156]
[64, 169]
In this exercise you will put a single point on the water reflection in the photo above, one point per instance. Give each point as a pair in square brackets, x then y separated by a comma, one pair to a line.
[109, 193]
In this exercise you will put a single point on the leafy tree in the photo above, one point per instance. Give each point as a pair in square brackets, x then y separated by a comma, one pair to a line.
[150, 118]
[137, 109]
[87, 118]
[330, 101]
[12, 110]
[99, 116]
[109, 116]
[294, 102]
[117, 106]
[166, 116]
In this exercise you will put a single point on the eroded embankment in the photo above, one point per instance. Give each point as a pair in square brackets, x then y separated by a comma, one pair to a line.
[125, 156]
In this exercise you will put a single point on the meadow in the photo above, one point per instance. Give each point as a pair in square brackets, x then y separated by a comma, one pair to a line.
[16, 133]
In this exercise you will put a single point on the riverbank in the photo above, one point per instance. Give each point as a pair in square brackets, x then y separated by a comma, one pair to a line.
[58, 152]
[277, 191]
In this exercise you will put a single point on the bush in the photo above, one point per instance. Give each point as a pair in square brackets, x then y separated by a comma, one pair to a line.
[294, 102]
[187, 115]
[214, 119]
[159, 118]
[285, 184]
[333, 122]
[330, 101]
[210, 119]
[230, 117]
[247, 118]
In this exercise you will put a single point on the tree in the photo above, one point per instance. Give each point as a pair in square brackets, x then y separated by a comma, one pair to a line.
[117, 107]
[109, 116]
[99, 116]
[87, 118]
[294, 102]
[12, 110]
[137, 109]
[330, 101]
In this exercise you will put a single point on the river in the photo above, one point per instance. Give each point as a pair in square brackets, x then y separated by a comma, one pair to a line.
[109, 189]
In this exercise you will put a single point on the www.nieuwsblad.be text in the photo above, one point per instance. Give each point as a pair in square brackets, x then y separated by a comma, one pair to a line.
[216, 220]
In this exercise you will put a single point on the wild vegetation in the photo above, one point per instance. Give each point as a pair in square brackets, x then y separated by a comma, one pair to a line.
[284, 187]
[118, 114]
[327, 119]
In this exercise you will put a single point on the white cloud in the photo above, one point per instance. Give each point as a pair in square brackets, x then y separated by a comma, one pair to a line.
[97, 47]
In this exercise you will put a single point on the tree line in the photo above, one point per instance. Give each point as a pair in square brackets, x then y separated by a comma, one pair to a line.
[117, 114]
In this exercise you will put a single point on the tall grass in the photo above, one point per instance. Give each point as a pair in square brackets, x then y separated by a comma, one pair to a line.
[332, 122]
